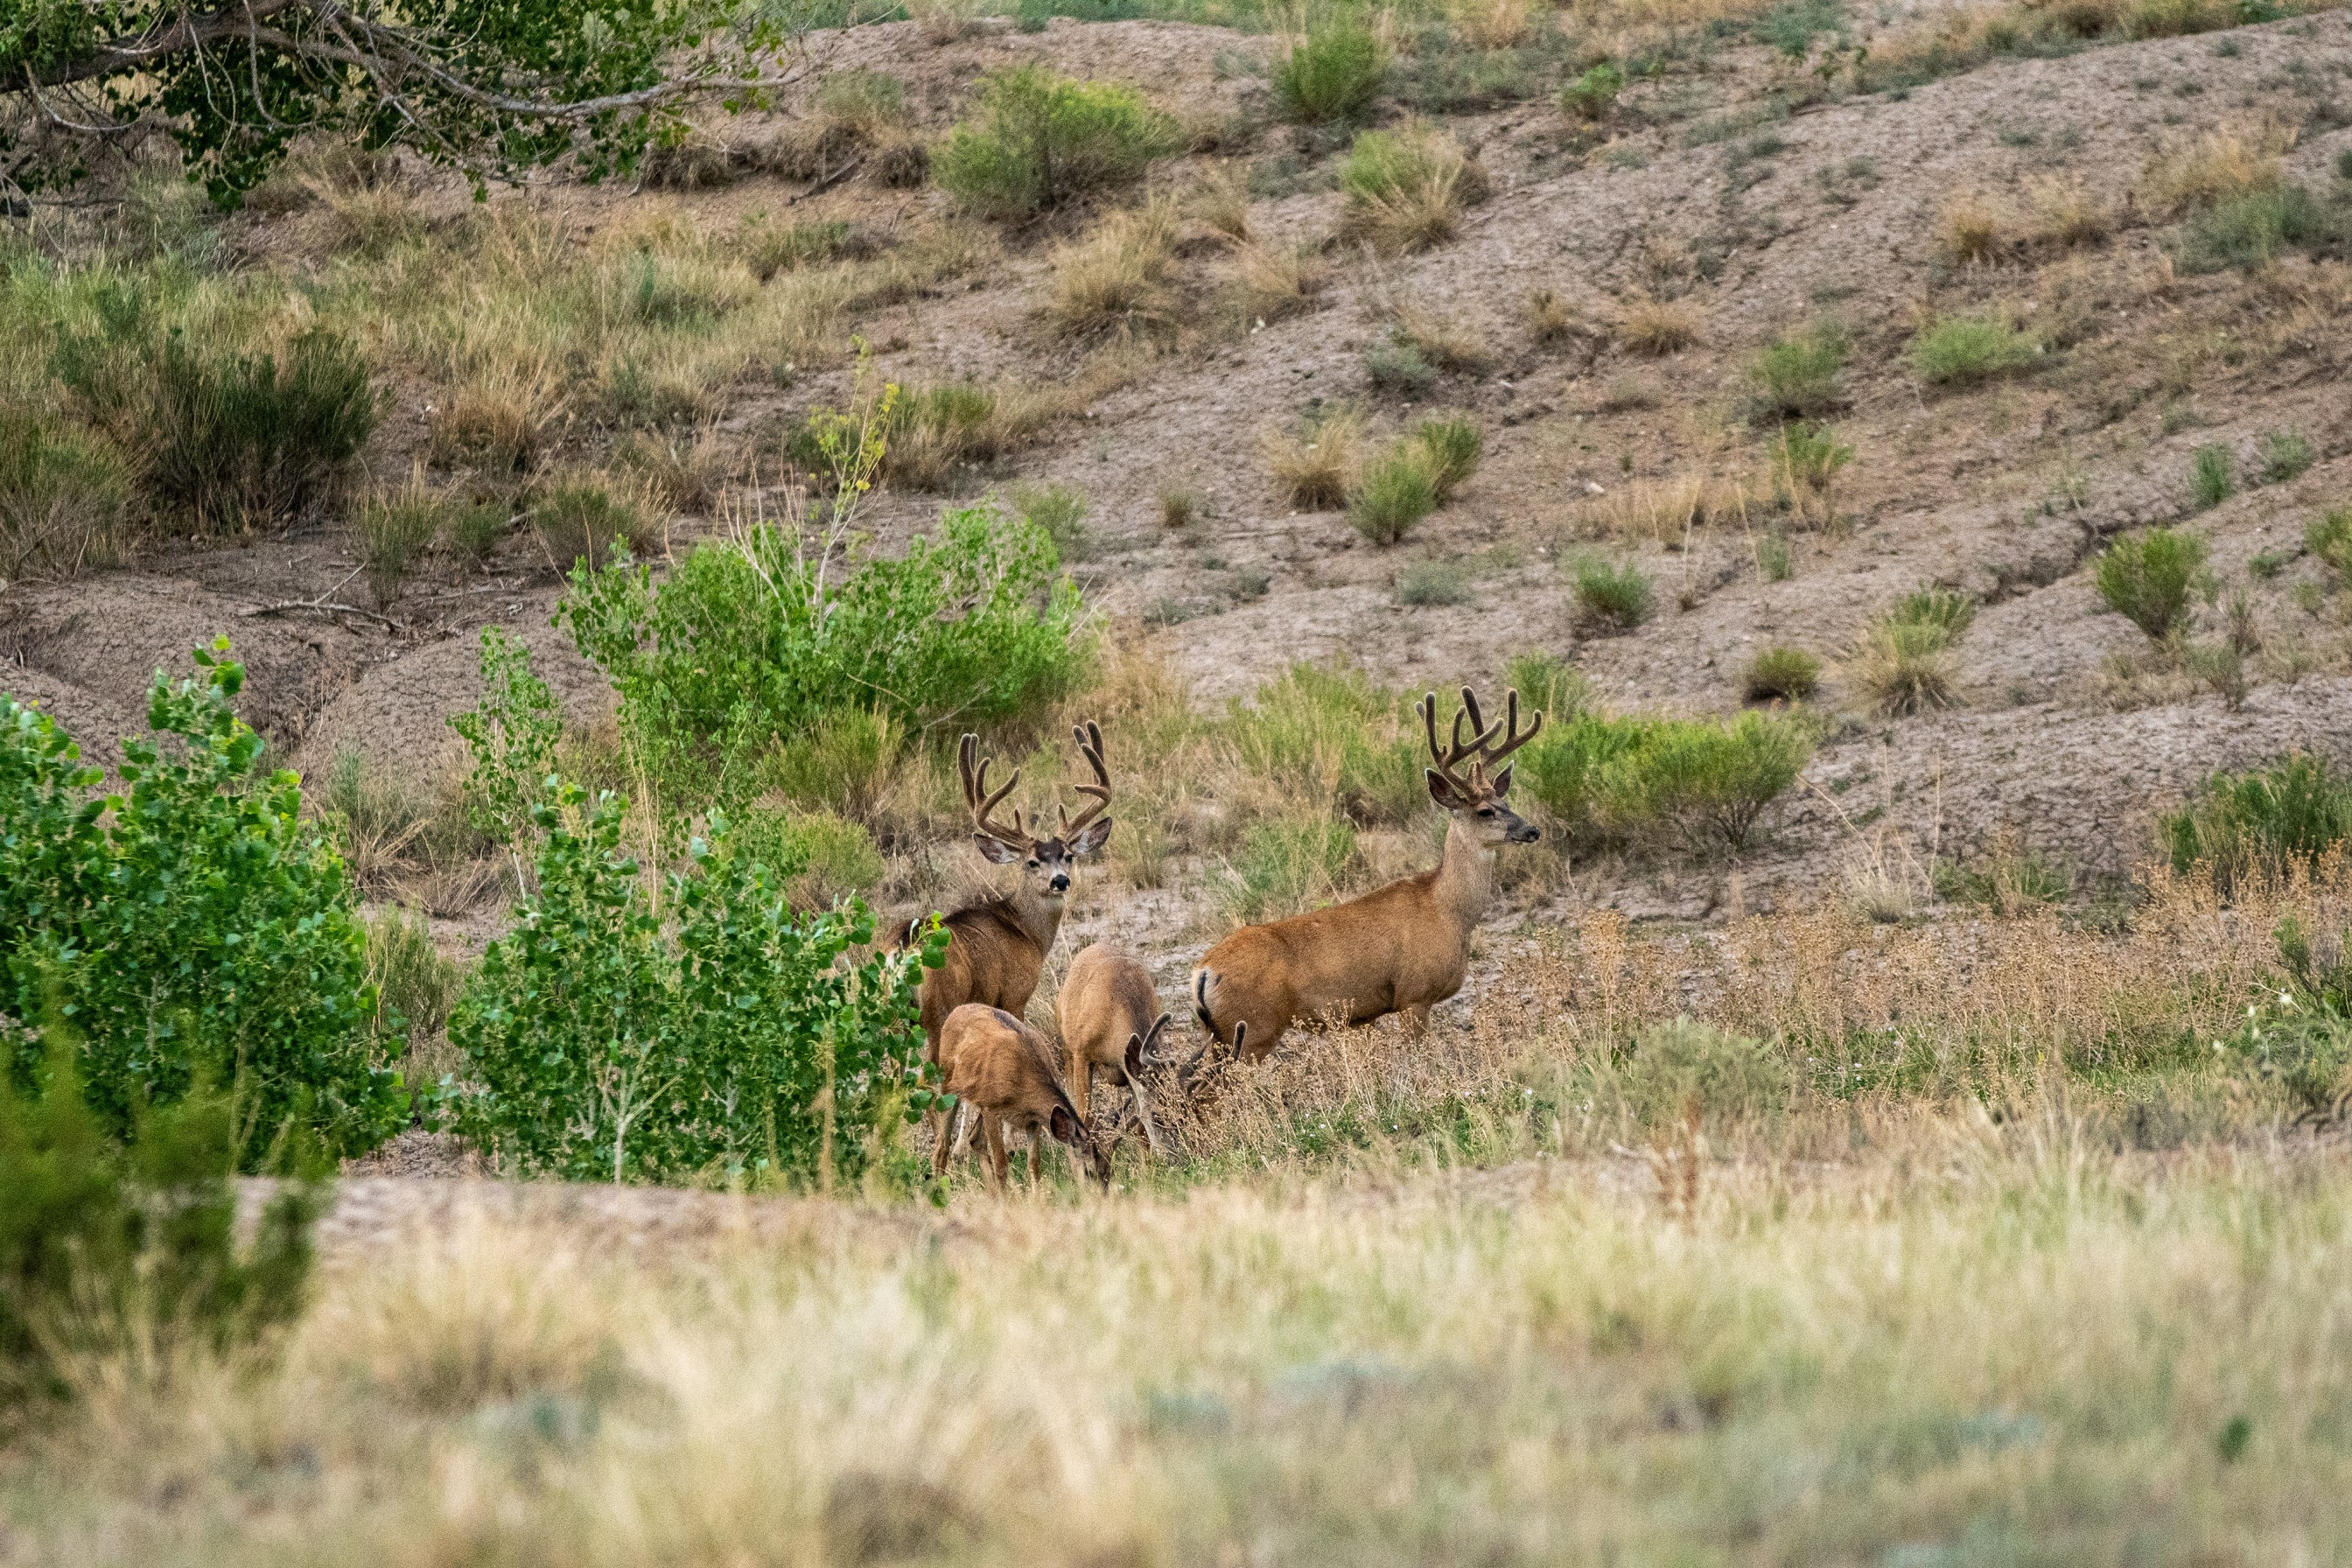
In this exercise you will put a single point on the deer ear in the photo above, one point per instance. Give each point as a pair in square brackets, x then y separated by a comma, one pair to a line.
[995, 850]
[1133, 1057]
[1063, 1125]
[1502, 785]
[1090, 838]
[1442, 791]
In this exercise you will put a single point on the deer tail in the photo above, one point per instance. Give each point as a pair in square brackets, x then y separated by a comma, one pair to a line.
[1201, 980]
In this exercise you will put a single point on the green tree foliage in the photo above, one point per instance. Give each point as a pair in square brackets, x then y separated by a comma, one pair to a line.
[747, 643]
[192, 929]
[512, 734]
[106, 1247]
[723, 1036]
[486, 87]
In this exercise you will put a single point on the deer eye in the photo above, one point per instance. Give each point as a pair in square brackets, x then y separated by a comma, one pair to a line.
[1486, 811]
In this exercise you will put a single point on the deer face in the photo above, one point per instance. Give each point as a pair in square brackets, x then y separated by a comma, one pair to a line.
[1460, 781]
[1485, 813]
[1067, 1127]
[1045, 862]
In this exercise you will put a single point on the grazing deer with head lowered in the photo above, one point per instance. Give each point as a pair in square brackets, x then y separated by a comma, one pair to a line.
[1403, 949]
[997, 942]
[1003, 1069]
[1109, 1017]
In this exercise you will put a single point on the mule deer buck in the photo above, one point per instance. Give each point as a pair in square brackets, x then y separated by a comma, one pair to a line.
[1401, 949]
[1109, 1017]
[1002, 1069]
[997, 942]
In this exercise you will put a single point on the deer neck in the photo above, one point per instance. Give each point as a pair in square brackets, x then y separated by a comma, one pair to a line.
[1465, 876]
[1039, 914]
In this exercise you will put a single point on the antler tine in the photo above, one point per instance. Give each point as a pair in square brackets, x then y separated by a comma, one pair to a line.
[1443, 758]
[1513, 737]
[1090, 747]
[982, 801]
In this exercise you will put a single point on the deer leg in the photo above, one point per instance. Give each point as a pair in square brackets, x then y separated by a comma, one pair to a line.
[1082, 1096]
[1416, 1020]
[1143, 1113]
[991, 1132]
[943, 1124]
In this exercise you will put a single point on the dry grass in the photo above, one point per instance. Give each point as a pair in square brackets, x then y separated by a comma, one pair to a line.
[1115, 280]
[1448, 342]
[2051, 212]
[1491, 23]
[2186, 174]
[1313, 470]
[1654, 327]
[1222, 202]
[1270, 282]
[1668, 512]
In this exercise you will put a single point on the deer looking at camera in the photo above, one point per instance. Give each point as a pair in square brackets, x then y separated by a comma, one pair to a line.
[1002, 1069]
[1109, 1017]
[998, 942]
[1403, 949]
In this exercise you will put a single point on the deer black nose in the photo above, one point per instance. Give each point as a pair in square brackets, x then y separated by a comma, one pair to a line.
[1059, 883]
[1526, 833]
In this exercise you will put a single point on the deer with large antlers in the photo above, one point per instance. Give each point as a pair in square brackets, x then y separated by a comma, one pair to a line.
[997, 944]
[1401, 949]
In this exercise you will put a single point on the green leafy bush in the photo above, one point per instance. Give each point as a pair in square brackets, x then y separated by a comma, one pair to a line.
[1591, 96]
[2260, 824]
[2255, 227]
[750, 642]
[107, 1249]
[1782, 674]
[1965, 350]
[1339, 735]
[2151, 577]
[1799, 376]
[1042, 137]
[1332, 73]
[512, 734]
[1394, 493]
[1613, 598]
[1286, 864]
[1662, 782]
[2213, 475]
[724, 1037]
[191, 930]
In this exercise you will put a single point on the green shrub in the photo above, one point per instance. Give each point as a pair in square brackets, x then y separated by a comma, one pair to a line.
[2302, 1041]
[1286, 864]
[1802, 377]
[1454, 446]
[819, 857]
[723, 1038]
[473, 529]
[1775, 561]
[1905, 666]
[1405, 189]
[1547, 684]
[1424, 585]
[192, 930]
[841, 763]
[2213, 475]
[2255, 227]
[1948, 609]
[2149, 577]
[512, 734]
[1697, 779]
[2330, 538]
[1806, 460]
[1061, 512]
[1964, 351]
[768, 251]
[1563, 768]
[239, 441]
[393, 531]
[1336, 734]
[751, 640]
[1613, 598]
[1396, 489]
[1042, 137]
[2258, 826]
[415, 986]
[1593, 95]
[2285, 455]
[1782, 674]
[582, 521]
[107, 1248]
[1400, 368]
[1653, 1083]
[65, 497]
[1332, 73]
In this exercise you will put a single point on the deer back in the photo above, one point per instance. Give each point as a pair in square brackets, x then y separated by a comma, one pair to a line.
[1005, 1068]
[1108, 1007]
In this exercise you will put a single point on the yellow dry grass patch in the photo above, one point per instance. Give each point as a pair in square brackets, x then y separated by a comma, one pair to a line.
[1655, 327]
[1117, 278]
[2189, 173]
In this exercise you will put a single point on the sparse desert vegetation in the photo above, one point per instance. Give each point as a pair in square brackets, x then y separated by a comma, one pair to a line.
[570, 585]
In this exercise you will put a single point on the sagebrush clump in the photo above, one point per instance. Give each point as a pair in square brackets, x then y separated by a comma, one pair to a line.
[1040, 137]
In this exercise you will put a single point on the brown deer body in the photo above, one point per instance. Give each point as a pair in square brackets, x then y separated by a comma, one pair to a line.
[1109, 1017]
[997, 944]
[1004, 1071]
[1401, 949]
